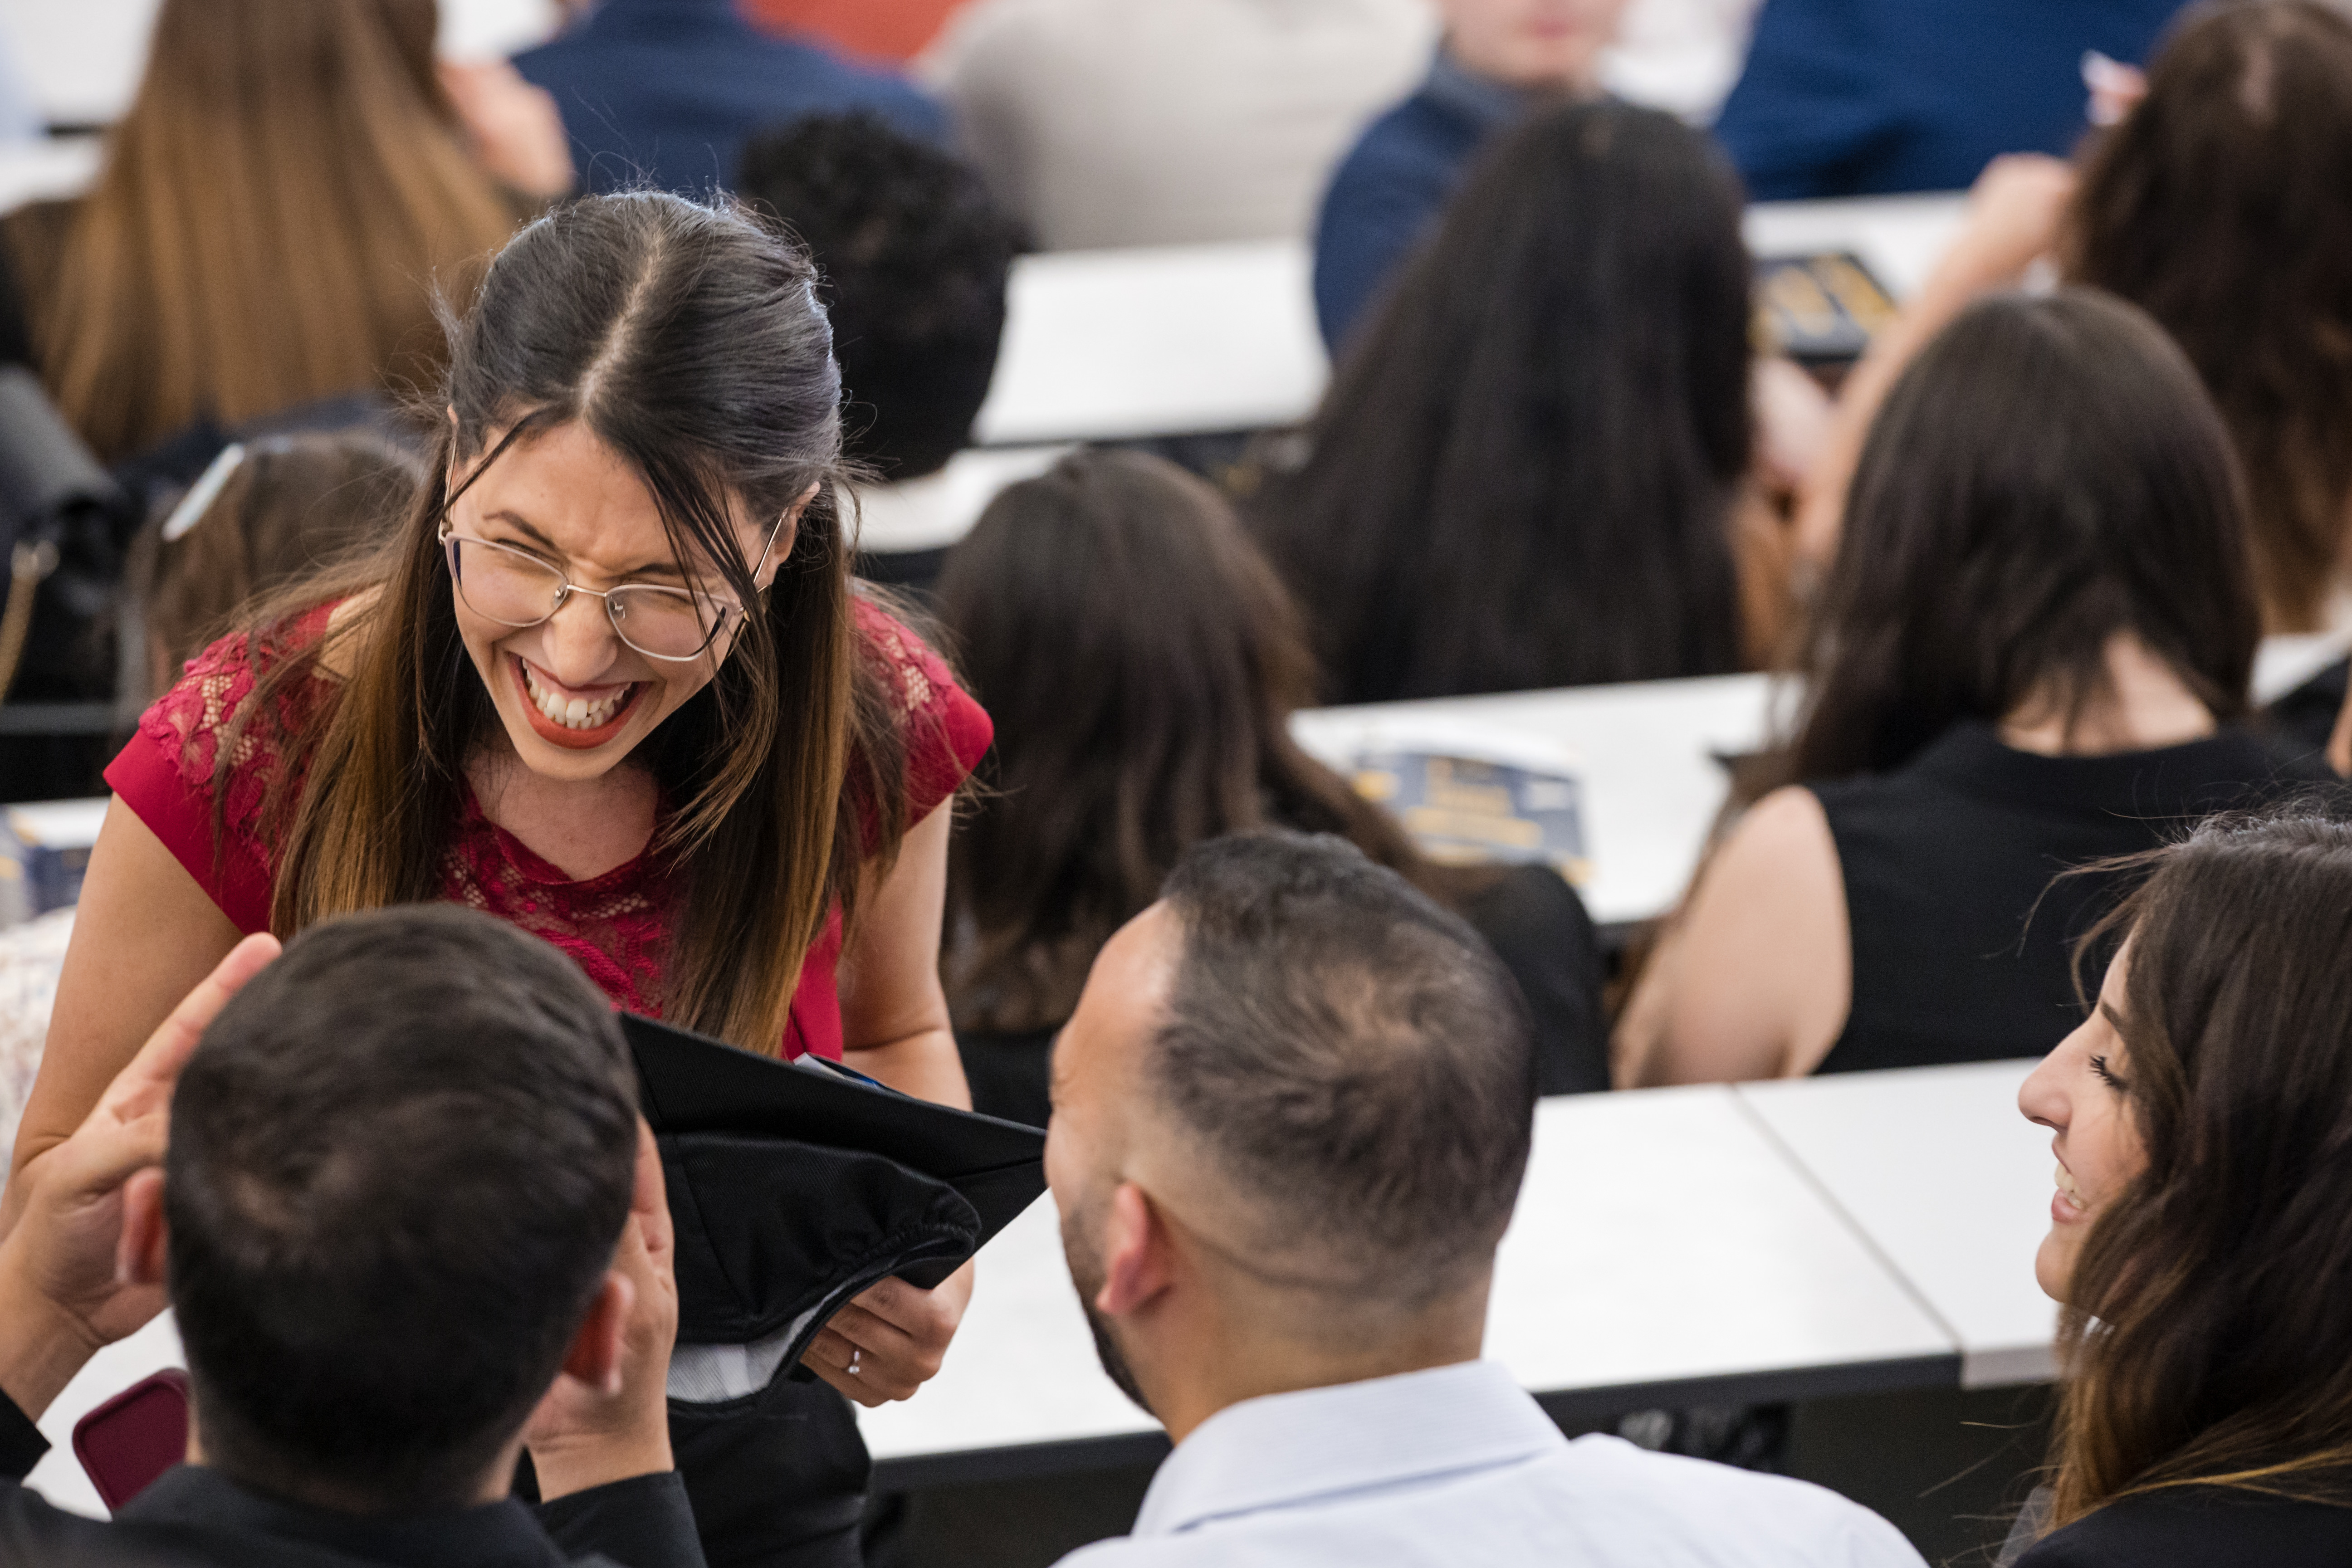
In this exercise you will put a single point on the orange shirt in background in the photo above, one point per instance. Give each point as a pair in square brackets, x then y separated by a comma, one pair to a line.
[888, 30]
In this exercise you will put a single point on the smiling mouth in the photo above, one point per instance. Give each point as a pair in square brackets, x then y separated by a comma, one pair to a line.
[574, 722]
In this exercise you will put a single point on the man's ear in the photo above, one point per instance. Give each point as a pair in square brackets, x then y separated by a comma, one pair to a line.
[1138, 1253]
[141, 1252]
[593, 1356]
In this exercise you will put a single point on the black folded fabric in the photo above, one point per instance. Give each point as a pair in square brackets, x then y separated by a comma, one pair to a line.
[797, 1186]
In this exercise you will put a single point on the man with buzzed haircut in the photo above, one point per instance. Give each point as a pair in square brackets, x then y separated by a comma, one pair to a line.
[1290, 1118]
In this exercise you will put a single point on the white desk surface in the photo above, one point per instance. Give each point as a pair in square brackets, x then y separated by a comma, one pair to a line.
[1661, 1237]
[1938, 1168]
[1112, 344]
[1651, 789]
[1103, 345]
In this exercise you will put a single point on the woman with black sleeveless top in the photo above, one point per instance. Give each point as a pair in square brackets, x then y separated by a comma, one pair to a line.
[2033, 653]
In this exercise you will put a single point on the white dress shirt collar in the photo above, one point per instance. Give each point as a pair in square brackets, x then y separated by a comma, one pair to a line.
[1282, 1449]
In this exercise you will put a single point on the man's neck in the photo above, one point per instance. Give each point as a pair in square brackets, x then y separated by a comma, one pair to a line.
[1216, 1372]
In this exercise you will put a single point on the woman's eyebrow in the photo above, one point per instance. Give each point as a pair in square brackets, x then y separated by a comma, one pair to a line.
[521, 524]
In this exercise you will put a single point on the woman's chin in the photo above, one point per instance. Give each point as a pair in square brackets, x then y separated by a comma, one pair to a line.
[2053, 1267]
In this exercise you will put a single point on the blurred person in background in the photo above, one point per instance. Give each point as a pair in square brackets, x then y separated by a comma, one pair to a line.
[2031, 653]
[1537, 466]
[1498, 59]
[1110, 122]
[665, 93]
[1142, 660]
[276, 510]
[1848, 98]
[915, 257]
[288, 189]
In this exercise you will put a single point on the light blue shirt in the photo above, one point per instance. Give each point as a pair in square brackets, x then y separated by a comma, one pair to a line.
[1458, 1466]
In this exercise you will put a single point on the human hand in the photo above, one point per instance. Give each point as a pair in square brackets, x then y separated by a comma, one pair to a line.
[68, 1283]
[2115, 88]
[2014, 211]
[588, 1432]
[894, 1334]
[516, 129]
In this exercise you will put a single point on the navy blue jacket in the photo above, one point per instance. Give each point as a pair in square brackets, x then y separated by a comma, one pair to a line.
[1851, 97]
[1391, 186]
[668, 90]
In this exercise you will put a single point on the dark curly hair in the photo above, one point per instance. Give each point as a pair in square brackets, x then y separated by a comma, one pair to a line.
[915, 256]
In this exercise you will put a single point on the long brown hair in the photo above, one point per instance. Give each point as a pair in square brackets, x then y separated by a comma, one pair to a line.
[689, 342]
[2205, 1328]
[273, 215]
[1141, 661]
[2046, 473]
[2218, 206]
[1525, 472]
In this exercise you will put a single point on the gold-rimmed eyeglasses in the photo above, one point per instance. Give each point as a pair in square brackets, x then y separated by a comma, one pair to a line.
[515, 588]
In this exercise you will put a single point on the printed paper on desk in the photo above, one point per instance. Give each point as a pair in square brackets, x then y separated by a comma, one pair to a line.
[1471, 796]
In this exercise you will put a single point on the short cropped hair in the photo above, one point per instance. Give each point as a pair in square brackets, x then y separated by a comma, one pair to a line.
[400, 1162]
[916, 255]
[1354, 1056]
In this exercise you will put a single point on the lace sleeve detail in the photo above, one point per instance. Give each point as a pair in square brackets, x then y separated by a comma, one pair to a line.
[166, 774]
[947, 733]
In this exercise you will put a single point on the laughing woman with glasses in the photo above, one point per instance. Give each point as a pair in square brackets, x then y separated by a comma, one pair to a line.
[609, 679]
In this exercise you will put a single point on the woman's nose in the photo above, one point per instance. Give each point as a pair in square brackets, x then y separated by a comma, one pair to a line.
[2043, 1097]
[581, 645]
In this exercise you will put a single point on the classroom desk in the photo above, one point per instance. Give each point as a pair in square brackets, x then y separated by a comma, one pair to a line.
[1105, 345]
[1670, 1248]
[1181, 339]
[1664, 1251]
[1646, 750]
[1936, 1166]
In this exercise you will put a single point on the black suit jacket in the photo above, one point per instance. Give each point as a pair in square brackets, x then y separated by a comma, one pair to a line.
[197, 1518]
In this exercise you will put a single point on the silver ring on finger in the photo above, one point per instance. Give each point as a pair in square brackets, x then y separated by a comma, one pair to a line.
[855, 1355]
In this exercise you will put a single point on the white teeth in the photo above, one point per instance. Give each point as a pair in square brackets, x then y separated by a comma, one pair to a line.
[577, 712]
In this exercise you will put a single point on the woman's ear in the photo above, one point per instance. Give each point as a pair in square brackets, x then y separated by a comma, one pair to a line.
[780, 545]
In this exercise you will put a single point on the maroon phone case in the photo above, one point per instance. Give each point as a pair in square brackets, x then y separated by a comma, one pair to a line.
[135, 1436]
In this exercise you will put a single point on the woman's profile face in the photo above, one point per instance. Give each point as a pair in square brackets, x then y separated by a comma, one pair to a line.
[573, 696]
[2078, 1093]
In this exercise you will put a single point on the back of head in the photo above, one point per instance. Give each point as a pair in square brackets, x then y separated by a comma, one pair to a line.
[2218, 206]
[400, 1162]
[2048, 473]
[1351, 1066]
[915, 256]
[1141, 660]
[2221, 1278]
[278, 204]
[291, 506]
[1523, 472]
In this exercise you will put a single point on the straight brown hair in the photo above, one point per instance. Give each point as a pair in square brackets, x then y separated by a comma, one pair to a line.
[1141, 660]
[2046, 473]
[687, 340]
[275, 210]
[2219, 206]
[2205, 1329]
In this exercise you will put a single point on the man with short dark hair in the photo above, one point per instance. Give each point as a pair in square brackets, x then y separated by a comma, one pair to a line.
[399, 1162]
[1290, 1117]
[915, 257]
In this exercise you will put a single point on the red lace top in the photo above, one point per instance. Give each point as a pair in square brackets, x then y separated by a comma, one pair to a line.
[615, 927]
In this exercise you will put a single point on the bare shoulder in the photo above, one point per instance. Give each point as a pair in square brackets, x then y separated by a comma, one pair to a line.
[1757, 977]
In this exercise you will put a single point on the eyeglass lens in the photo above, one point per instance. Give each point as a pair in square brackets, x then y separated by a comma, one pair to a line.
[515, 589]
